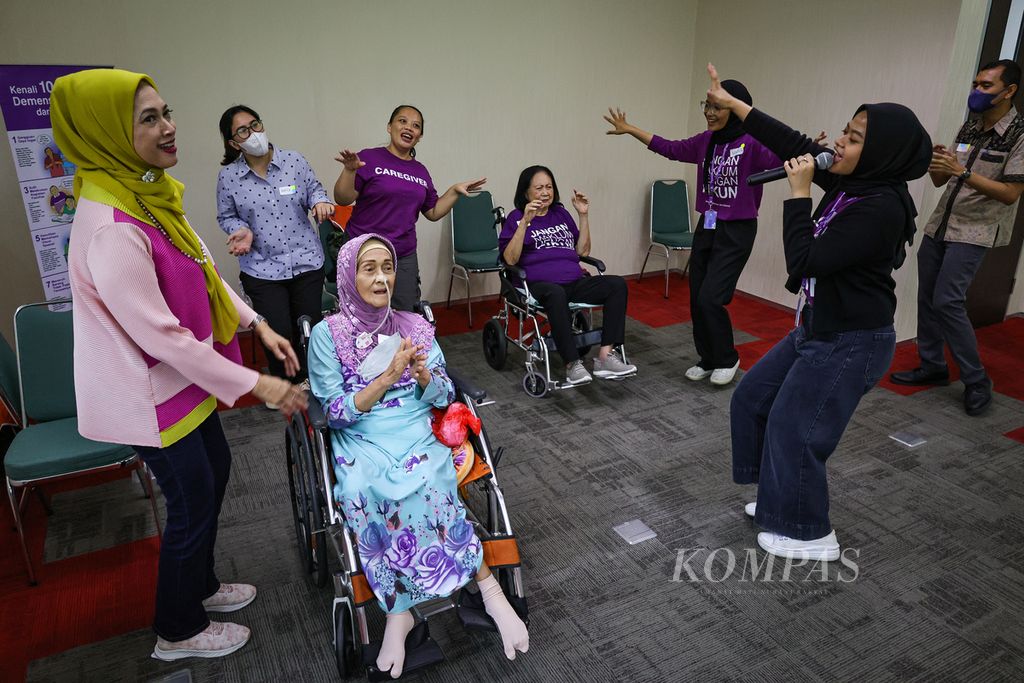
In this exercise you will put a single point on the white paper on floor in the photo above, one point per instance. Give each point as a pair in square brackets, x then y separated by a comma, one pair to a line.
[634, 531]
[908, 439]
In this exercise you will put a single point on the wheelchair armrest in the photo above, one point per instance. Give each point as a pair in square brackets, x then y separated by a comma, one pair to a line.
[516, 270]
[466, 386]
[316, 414]
[597, 263]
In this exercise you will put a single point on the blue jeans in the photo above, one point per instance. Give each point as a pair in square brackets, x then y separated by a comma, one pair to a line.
[788, 414]
[193, 474]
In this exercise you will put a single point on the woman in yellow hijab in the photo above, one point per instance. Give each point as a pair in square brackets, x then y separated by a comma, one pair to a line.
[155, 343]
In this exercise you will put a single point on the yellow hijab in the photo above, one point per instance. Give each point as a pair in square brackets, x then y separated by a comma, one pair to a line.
[92, 114]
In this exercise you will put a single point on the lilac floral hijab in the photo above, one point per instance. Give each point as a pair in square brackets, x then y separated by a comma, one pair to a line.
[356, 317]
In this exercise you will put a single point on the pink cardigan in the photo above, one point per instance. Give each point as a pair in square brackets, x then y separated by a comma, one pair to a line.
[147, 370]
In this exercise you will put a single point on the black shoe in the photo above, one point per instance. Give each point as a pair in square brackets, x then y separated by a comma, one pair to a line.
[977, 397]
[920, 377]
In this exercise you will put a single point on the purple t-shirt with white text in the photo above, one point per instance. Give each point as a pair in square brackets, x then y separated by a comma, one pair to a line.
[393, 192]
[731, 164]
[549, 247]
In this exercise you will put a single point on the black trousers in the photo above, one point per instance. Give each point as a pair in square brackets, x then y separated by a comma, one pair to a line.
[193, 475]
[716, 262]
[609, 291]
[282, 302]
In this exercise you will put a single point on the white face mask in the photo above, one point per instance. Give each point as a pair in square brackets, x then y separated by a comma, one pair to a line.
[256, 144]
[378, 360]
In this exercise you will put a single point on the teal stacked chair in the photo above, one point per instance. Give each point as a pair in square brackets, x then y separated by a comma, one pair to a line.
[475, 226]
[670, 223]
[9, 391]
[48, 447]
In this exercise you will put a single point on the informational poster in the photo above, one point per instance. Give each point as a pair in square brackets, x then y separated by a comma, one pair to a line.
[45, 177]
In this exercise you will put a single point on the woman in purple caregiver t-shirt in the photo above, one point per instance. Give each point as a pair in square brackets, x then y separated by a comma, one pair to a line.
[725, 156]
[541, 238]
[393, 189]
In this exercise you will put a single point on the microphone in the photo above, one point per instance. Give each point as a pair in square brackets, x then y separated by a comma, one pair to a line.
[822, 162]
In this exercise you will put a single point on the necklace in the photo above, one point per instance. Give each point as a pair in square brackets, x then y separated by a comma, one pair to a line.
[158, 226]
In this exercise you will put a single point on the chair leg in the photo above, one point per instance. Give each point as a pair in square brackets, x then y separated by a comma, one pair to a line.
[147, 484]
[21, 532]
[139, 474]
[641, 276]
[451, 279]
[469, 301]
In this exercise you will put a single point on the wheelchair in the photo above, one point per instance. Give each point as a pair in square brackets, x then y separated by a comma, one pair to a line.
[520, 321]
[320, 532]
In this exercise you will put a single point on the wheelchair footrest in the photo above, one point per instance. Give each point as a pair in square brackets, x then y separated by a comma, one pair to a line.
[420, 652]
[470, 608]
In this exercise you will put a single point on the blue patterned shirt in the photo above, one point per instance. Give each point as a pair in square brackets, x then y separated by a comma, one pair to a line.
[276, 209]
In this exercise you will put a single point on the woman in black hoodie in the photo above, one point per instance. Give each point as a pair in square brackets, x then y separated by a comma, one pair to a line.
[789, 412]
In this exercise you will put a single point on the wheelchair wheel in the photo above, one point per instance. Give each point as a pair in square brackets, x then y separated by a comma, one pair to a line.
[581, 323]
[495, 344]
[344, 646]
[297, 493]
[534, 384]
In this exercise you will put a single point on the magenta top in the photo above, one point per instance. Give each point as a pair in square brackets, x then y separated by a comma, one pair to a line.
[147, 370]
[393, 192]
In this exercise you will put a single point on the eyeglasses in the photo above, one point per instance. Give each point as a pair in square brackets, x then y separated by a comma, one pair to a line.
[244, 132]
[707, 107]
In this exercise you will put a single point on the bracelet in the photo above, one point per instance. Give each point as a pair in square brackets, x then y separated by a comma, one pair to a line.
[966, 174]
[256, 321]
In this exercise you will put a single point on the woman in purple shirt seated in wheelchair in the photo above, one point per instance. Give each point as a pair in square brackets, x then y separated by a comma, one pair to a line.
[541, 237]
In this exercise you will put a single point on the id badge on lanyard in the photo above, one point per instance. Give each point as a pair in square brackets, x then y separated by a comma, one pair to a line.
[710, 219]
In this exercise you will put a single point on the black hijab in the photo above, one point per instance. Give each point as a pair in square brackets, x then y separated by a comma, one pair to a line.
[897, 149]
[733, 126]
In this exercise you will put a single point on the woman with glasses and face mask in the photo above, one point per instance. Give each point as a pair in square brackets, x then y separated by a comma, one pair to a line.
[725, 157]
[264, 198]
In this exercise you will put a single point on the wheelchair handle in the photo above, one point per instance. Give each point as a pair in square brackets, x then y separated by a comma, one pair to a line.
[466, 386]
[305, 326]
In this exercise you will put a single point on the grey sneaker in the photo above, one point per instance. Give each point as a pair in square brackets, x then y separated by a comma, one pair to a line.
[612, 367]
[575, 374]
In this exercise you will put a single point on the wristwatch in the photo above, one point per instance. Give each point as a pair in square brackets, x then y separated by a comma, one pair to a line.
[256, 321]
[966, 174]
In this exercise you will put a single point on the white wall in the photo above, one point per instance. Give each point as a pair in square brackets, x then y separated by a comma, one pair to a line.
[505, 85]
[501, 85]
[811, 64]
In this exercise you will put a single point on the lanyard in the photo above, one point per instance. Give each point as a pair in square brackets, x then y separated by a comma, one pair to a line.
[715, 172]
[834, 208]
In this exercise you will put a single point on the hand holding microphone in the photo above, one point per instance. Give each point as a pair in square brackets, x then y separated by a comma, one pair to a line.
[822, 162]
[800, 172]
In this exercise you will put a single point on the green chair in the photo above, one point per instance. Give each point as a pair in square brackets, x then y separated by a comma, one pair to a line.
[48, 447]
[475, 225]
[9, 390]
[670, 223]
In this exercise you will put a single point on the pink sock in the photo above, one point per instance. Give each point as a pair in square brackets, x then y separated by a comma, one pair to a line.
[392, 649]
[514, 635]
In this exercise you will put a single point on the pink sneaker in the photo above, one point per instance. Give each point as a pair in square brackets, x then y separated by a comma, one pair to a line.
[219, 639]
[230, 597]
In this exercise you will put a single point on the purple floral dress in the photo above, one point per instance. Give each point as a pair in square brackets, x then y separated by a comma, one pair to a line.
[395, 481]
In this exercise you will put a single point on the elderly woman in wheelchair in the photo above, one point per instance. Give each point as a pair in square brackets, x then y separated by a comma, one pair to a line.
[541, 241]
[378, 373]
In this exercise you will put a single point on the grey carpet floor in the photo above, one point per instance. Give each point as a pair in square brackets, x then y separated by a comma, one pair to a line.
[934, 590]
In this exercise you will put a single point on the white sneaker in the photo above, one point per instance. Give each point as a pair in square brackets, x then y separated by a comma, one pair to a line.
[272, 406]
[230, 597]
[723, 376]
[697, 373]
[824, 549]
[219, 639]
[750, 509]
[612, 367]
